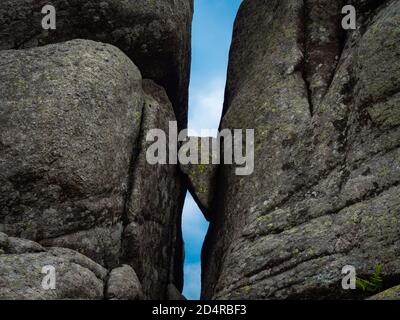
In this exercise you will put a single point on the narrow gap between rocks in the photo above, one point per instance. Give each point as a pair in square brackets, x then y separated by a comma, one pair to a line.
[211, 39]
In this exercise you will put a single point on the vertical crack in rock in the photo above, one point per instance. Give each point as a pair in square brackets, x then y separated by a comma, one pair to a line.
[306, 55]
[135, 155]
[152, 242]
[321, 45]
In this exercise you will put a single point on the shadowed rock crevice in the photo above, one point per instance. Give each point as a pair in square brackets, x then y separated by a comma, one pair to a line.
[321, 40]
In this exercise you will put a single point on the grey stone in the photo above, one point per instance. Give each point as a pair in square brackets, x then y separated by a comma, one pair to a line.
[101, 244]
[76, 276]
[325, 190]
[152, 239]
[123, 284]
[17, 245]
[70, 116]
[155, 34]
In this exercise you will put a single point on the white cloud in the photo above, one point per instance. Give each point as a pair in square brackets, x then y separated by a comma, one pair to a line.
[194, 224]
[192, 281]
[194, 227]
[206, 107]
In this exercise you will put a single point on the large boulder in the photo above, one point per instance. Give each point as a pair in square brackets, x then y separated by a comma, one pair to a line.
[73, 124]
[155, 34]
[324, 194]
[24, 267]
[70, 116]
[123, 284]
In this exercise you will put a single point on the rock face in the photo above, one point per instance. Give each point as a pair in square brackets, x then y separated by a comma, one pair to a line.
[73, 122]
[152, 240]
[154, 34]
[324, 104]
[67, 138]
[22, 272]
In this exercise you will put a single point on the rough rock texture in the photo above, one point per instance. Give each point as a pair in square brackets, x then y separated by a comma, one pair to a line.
[154, 34]
[73, 171]
[201, 175]
[69, 117]
[17, 245]
[152, 240]
[390, 294]
[325, 190]
[76, 276]
[123, 284]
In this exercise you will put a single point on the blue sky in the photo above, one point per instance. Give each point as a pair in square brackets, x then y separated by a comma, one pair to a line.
[211, 38]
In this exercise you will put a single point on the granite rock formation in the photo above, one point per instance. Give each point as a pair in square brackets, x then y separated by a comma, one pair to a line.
[78, 194]
[324, 103]
[155, 35]
[22, 272]
[73, 121]
[152, 239]
[70, 116]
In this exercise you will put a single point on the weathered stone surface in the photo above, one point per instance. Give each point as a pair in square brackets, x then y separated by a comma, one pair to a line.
[154, 34]
[174, 294]
[69, 119]
[123, 284]
[390, 294]
[152, 239]
[77, 277]
[201, 176]
[18, 245]
[74, 118]
[325, 190]
[102, 244]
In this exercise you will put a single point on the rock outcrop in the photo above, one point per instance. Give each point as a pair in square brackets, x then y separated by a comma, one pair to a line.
[69, 120]
[73, 123]
[23, 270]
[324, 103]
[25, 266]
[155, 34]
